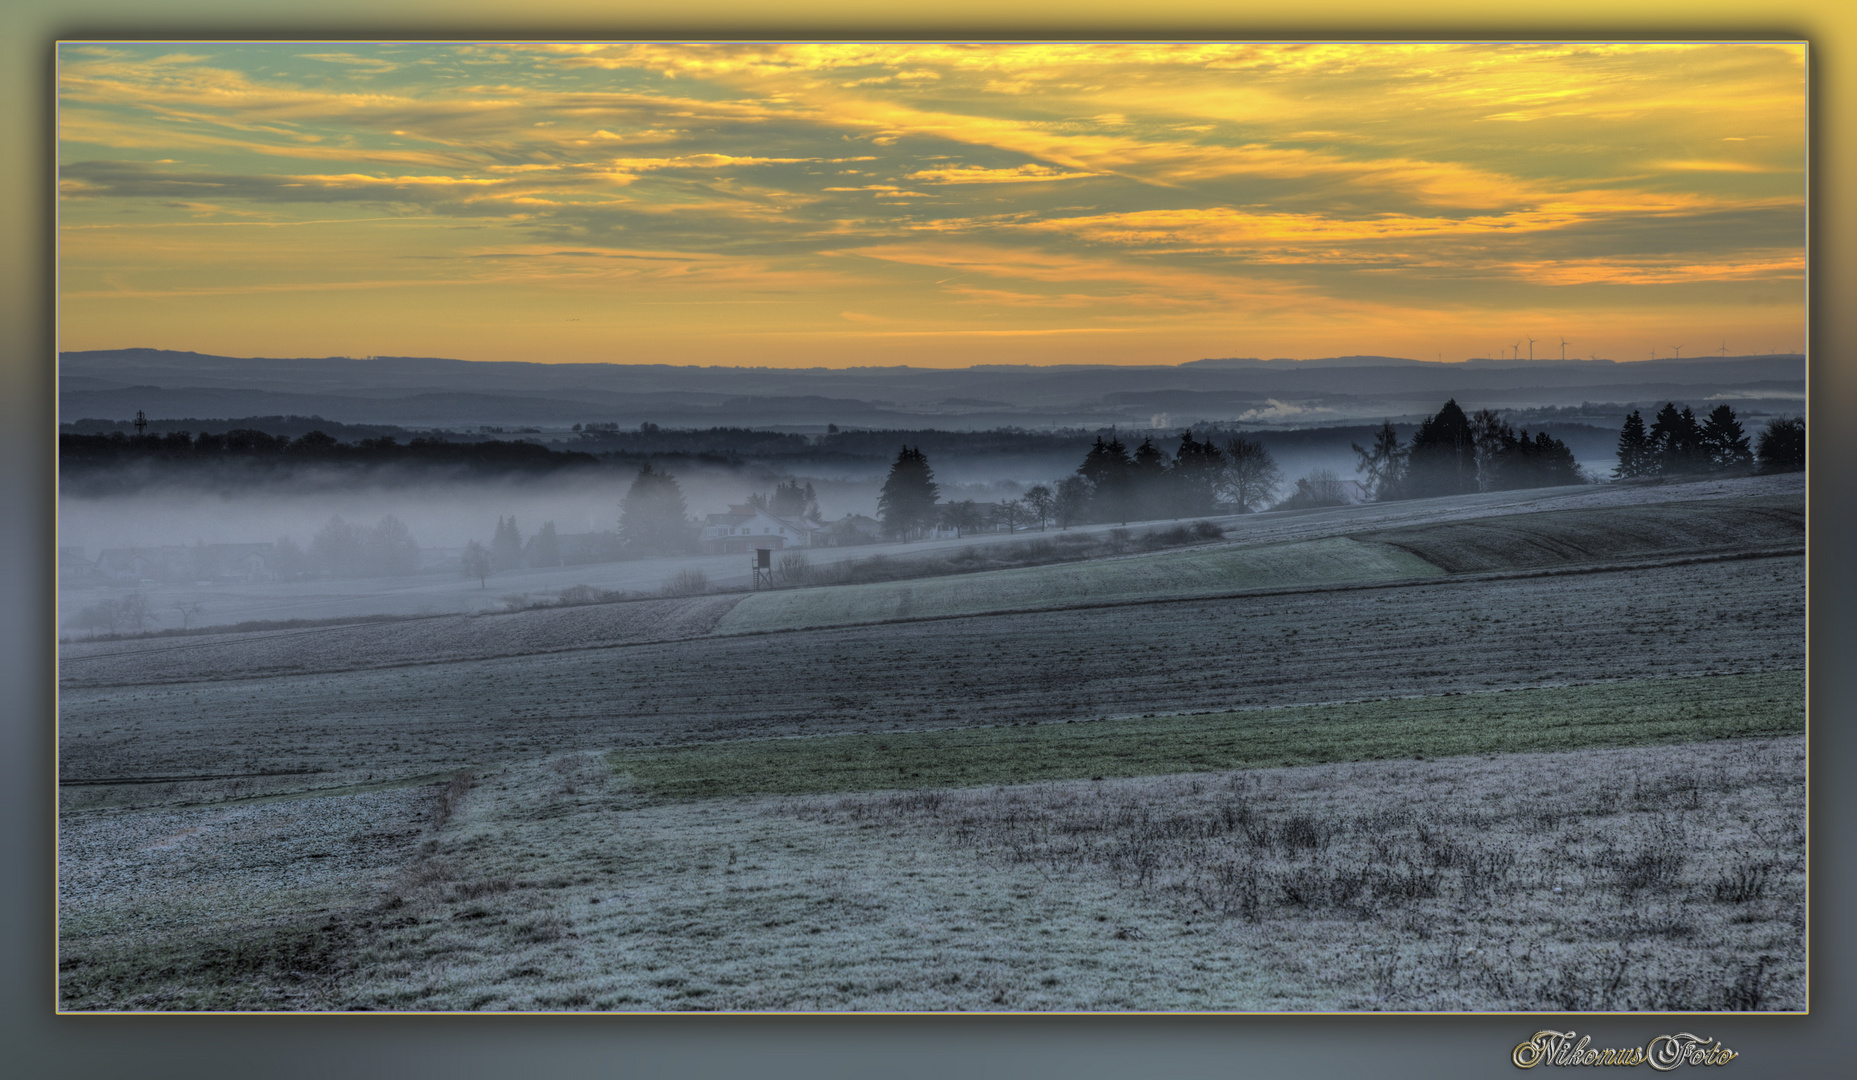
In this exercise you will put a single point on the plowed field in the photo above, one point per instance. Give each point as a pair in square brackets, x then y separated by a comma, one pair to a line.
[1184, 656]
[1566, 537]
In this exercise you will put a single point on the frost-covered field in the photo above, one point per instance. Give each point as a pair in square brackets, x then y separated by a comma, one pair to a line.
[143, 891]
[261, 820]
[1667, 878]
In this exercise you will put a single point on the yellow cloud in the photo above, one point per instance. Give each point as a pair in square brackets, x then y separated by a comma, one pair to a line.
[975, 174]
[1740, 266]
[1720, 166]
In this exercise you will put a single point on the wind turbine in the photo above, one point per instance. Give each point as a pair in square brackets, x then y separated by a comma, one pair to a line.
[1724, 349]
[1563, 348]
[1515, 351]
[1679, 351]
[1531, 350]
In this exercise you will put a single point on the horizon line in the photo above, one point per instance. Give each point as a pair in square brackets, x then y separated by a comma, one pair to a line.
[1544, 361]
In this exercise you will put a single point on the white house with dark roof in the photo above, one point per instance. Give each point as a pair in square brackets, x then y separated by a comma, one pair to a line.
[745, 528]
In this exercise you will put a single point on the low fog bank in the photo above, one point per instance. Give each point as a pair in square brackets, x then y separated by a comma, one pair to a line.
[447, 509]
[211, 543]
[444, 514]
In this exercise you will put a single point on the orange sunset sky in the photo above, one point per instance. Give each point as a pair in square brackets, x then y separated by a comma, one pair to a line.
[931, 204]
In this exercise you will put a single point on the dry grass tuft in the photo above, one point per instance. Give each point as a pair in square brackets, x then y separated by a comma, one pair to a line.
[450, 798]
[686, 583]
[1448, 885]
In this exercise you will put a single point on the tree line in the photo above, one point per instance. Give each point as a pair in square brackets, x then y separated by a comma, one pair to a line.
[77, 450]
[1113, 484]
[1198, 478]
[1450, 453]
[1677, 444]
[1455, 453]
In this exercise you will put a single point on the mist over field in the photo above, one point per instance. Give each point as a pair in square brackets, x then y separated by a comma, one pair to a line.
[445, 514]
[446, 511]
[1308, 414]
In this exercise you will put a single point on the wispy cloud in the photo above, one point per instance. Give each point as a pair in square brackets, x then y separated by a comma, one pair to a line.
[977, 174]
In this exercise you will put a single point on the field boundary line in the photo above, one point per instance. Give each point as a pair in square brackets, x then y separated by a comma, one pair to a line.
[1447, 578]
[98, 781]
[271, 635]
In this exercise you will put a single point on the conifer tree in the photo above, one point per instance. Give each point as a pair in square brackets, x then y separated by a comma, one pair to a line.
[1106, 467]
[1196, 470]
[506, 545]
[1543, 461]
[1634, 449]
[906, 506]
[793, 501]
[1149, 487]
[544, 548]
[1676, 441]
[1782, 445]
[1723, 440]
[652, 519]
[1442, 459]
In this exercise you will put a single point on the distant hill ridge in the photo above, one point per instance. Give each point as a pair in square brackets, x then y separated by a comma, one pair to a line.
[436, 391]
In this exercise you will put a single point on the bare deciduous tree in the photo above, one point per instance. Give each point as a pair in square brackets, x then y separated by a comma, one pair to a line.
[1251, 474]
[792, 569]
[1040, 500]
[476, 563]
[962, 516]
[1384, 465]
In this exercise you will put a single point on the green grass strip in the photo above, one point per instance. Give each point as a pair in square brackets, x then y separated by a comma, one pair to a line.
[1638, 713]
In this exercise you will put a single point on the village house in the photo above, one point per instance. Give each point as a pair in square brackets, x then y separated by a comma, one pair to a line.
[745, 528]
